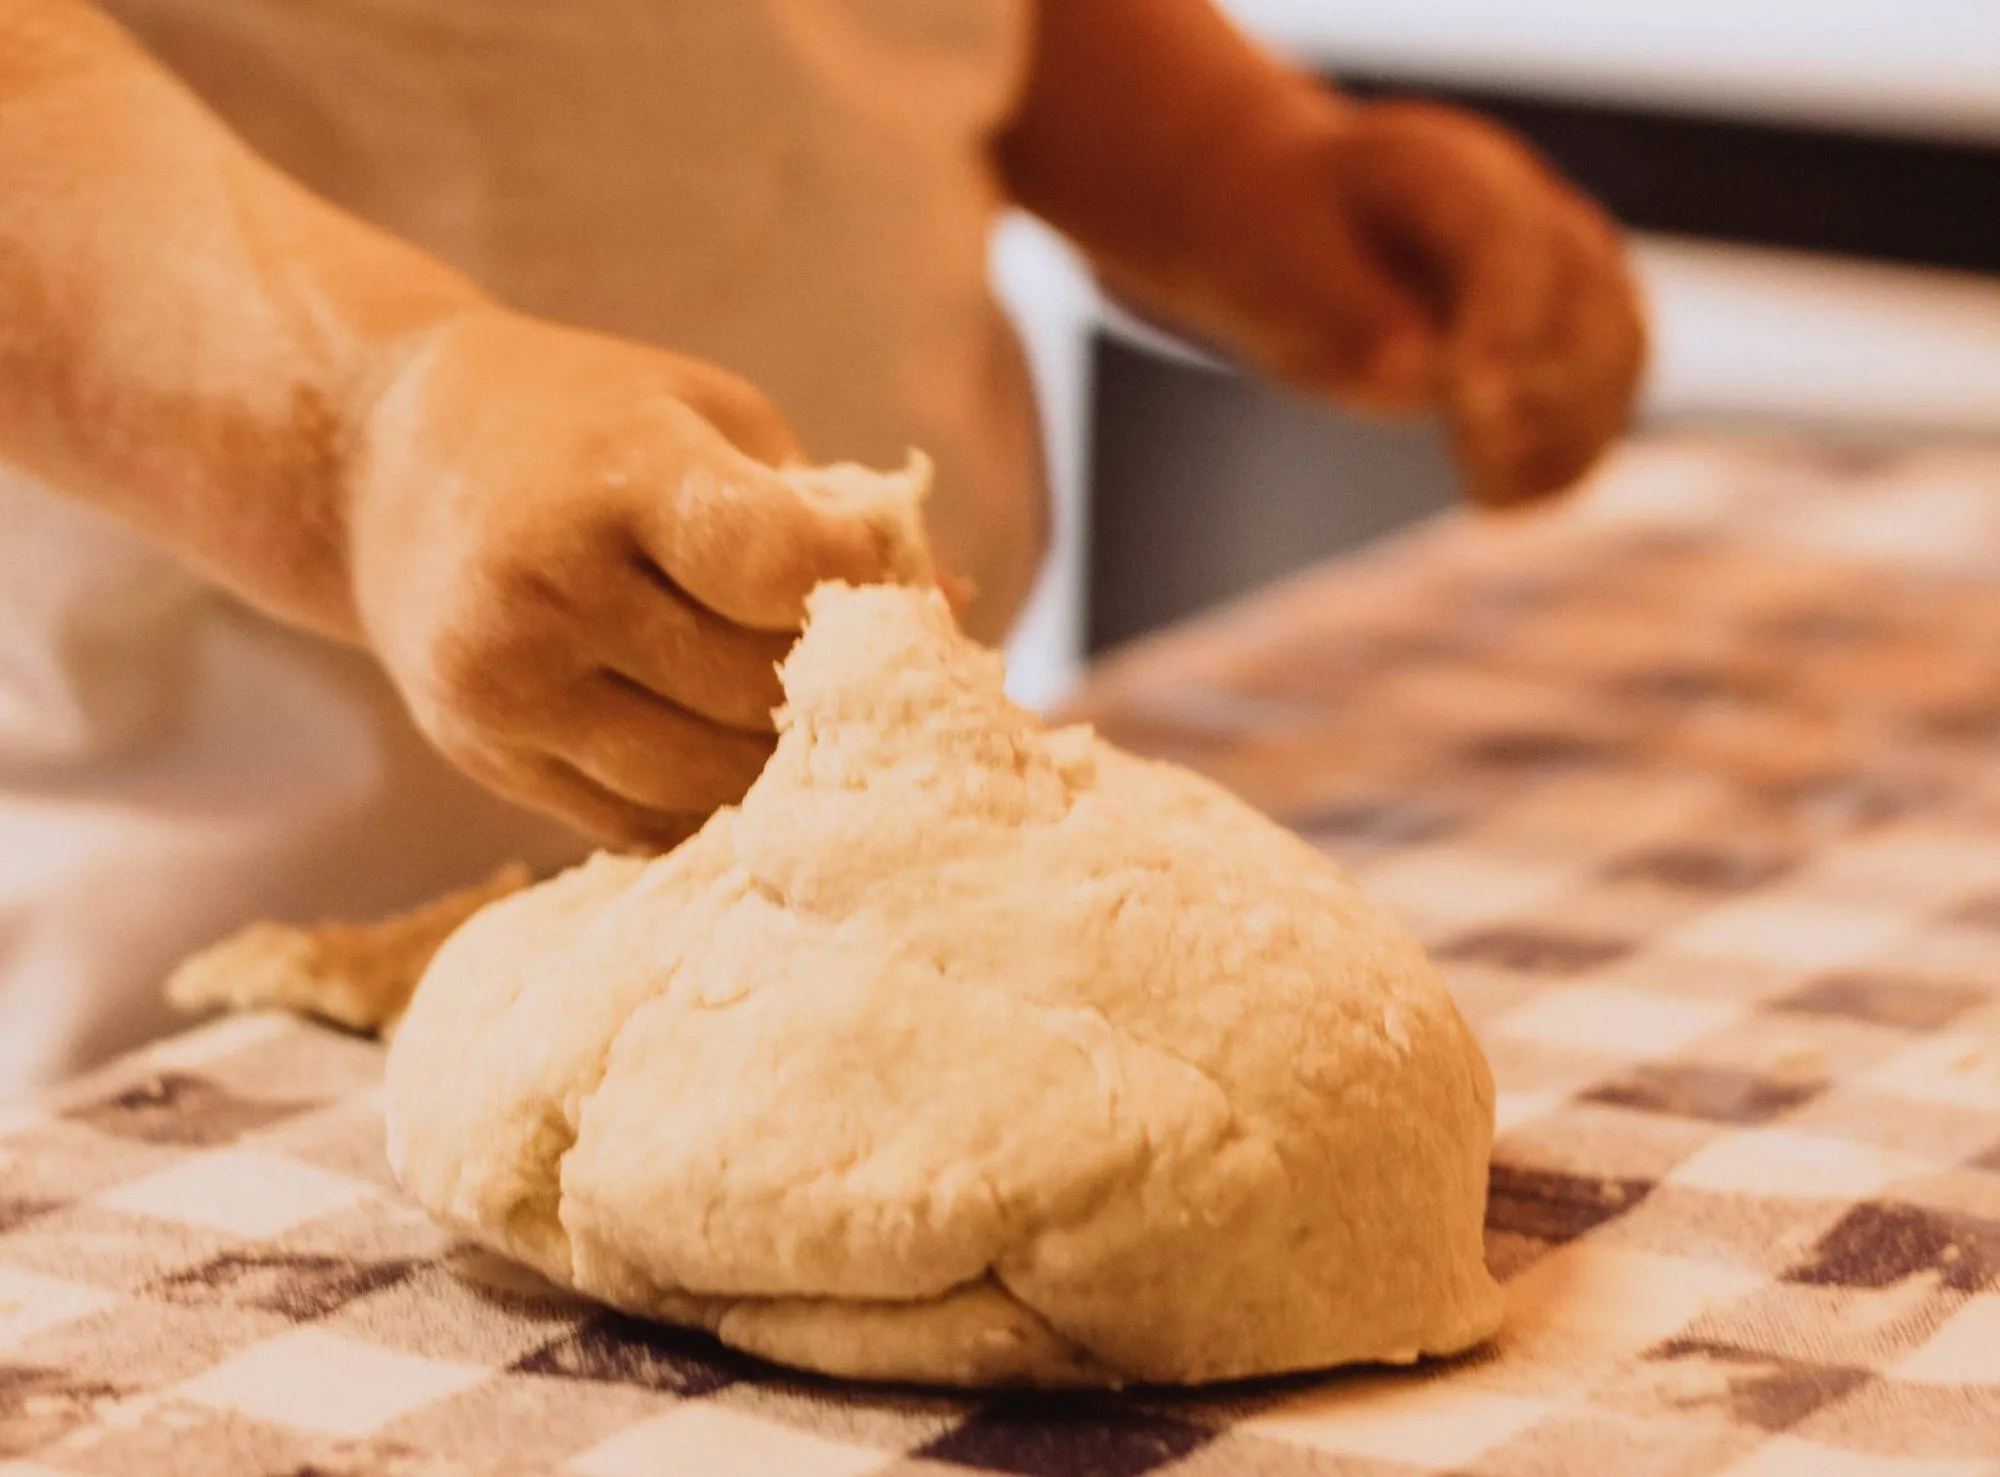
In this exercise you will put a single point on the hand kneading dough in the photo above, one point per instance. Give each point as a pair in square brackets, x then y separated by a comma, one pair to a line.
[963, 1052]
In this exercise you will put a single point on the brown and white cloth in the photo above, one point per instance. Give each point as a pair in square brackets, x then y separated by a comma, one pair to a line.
[1694, 792]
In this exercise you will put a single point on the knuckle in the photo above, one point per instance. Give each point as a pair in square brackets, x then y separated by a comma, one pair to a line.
[730, 396]
[558, 532]
[485, 669]
[478, 756]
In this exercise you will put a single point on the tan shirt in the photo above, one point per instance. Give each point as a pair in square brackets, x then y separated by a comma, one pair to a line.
[795, 189]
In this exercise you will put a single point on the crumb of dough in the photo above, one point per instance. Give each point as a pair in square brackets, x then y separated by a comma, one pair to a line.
[356, 975]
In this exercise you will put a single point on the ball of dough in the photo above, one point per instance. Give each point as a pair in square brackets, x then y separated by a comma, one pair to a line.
[963, 1051]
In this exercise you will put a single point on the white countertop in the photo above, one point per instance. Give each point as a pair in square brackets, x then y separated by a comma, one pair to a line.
[1924, 67]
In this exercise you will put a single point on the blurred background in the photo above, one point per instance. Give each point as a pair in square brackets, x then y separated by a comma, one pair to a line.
[1815, 188]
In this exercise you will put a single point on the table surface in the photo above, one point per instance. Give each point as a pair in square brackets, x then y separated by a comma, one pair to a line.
[1694, 792]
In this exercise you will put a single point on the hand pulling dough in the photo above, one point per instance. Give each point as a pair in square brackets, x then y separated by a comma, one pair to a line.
[966, 1052]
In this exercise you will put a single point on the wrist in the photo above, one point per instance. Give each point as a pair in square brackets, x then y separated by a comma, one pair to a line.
[371, 507]
[1241, 261]
[1274, 168]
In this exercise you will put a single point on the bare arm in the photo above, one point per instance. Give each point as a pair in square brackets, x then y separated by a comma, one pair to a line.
[187, 338]
[572, 555]
[1393, 256]
[1147, 127]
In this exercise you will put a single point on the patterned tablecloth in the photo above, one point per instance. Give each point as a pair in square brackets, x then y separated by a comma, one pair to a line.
[1695, 793]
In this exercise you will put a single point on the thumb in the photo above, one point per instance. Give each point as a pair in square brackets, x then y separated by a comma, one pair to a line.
[746, 419]
[750, 542]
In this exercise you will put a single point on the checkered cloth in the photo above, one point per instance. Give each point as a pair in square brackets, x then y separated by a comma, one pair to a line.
[1695, 794]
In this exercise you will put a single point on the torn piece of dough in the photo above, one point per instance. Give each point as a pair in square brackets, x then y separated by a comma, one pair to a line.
[963, 1051]
[357, 975]
[889, 505]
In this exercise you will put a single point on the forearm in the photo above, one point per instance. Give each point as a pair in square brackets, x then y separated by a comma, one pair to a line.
[1150, 133]
[187, 339]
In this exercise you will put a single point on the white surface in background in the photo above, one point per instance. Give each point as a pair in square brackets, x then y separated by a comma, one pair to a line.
[1055, 307]
[1741, 333]
[1929, 67]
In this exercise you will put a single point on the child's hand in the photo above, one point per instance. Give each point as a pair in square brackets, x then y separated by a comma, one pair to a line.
[1394, 256]
[579, 568]
[1448, 266]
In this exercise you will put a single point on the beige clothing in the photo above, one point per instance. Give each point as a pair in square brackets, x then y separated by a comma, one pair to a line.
[795, 189]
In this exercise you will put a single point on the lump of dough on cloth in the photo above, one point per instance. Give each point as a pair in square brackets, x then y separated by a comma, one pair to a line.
[964, 1051]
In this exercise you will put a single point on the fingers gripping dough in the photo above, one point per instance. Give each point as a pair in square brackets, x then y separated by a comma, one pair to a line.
[963, 1051]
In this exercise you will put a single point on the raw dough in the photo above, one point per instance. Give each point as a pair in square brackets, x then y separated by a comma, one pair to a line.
[963, 1052]
[357, 975]
[361, 975]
